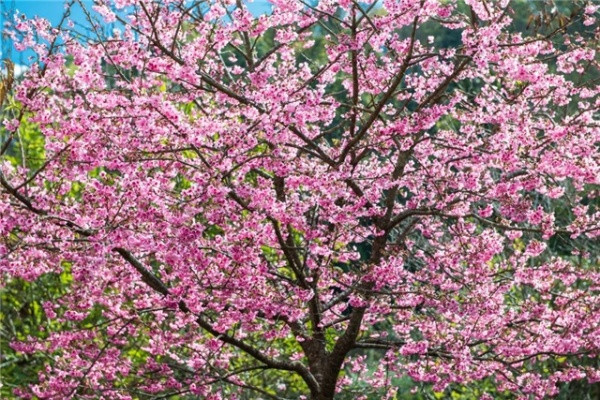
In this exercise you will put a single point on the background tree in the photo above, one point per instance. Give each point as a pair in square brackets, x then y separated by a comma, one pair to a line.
[268, 206]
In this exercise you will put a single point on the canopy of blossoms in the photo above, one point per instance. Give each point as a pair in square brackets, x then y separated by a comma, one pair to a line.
[235, 194]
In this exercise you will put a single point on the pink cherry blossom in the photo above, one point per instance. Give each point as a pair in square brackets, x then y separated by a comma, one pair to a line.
[234, 195]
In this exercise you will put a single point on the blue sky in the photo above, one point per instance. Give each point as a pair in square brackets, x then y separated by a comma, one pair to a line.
[53, 11]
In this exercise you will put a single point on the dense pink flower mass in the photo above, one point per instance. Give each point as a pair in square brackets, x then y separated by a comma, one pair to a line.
[236, 195]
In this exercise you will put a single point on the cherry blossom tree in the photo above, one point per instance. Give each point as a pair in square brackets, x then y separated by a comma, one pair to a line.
[312, 202]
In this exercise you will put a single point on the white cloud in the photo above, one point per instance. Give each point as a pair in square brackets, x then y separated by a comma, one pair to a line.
[20, 69]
